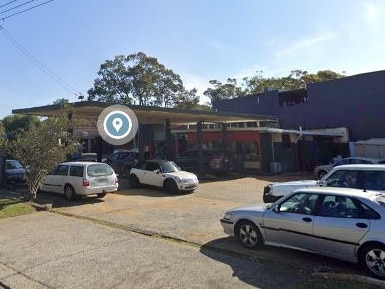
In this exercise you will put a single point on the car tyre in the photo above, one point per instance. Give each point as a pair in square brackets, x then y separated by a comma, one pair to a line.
[171, 187]
[372, 258]
[69, 193]
[101, 195]
[249, 234]
[134, 181]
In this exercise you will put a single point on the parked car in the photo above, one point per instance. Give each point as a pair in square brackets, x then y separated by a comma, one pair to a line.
[122, 161]
[320, 171]
[214, 162]
[365, 177]
[15, 173]
[164, 174]
[81, 178]
[342, 223]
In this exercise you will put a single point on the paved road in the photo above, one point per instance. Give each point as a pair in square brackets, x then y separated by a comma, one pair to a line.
[56, 249]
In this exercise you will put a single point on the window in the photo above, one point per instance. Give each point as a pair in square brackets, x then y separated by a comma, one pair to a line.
[152, 166]
[99, 170]
[76, 171]
[344, 179]
[301, 203]
[61, 170]
[345, 207]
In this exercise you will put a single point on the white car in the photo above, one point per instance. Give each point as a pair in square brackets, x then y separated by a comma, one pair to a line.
[164, 174]
[81, 178]
[360, 176]
[320, 171]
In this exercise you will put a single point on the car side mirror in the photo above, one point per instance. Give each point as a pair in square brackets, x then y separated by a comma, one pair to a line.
[322, 183]
[277, 208]
[157, 171]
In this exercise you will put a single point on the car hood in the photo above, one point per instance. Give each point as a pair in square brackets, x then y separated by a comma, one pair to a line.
[182, 175]
[256, 208]
[284, 187]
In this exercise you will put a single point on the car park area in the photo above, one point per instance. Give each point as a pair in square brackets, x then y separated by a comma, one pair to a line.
[193, 217]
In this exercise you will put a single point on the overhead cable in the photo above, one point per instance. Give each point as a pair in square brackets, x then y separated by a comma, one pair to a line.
[39, 64]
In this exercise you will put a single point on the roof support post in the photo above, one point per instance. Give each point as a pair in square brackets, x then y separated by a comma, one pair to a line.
[224, 137]
[168, 140]
[200, 148]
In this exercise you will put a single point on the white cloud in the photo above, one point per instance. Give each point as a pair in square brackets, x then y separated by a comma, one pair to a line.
[298, 46]
[373, 12]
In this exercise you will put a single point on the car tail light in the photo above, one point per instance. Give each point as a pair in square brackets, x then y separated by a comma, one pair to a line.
[116, 181]
[86, 183]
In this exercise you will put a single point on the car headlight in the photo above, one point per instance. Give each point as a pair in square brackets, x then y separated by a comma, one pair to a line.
[228, 216]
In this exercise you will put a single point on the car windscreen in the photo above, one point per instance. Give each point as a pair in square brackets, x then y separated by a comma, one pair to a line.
[13, 164]
[380, 199]
[97, 170]
[169, 167]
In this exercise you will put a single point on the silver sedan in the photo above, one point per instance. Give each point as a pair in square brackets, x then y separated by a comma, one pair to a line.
[347, 224]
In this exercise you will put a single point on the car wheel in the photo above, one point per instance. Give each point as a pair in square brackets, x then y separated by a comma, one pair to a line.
[321, 174]
[372, 258]
[171, 187]
[69, 192]
[134, 181]
[101, 195]
[249, 234]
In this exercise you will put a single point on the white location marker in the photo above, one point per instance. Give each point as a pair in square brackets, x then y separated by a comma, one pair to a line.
[117, 123]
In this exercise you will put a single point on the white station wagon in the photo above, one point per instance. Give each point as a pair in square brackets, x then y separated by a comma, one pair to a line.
[81, 178]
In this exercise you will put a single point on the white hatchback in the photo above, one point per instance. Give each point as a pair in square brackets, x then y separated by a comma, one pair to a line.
[81, 178]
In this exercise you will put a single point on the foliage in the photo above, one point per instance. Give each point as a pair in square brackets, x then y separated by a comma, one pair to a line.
[62, 101]
[2, 135]
[13, 124]
[257, 84]
[224, 91]
[41, 147]
[187, 99]
[136, 78]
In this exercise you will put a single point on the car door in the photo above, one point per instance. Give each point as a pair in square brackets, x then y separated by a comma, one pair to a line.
[291, 222]
[56, 179]
[149, 174]
[338, 230]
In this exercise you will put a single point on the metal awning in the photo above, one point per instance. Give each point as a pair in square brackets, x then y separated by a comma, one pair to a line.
[145, 114]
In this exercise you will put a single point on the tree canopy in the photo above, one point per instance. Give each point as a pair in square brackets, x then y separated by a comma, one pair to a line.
[139, 79]
[257, 84]
[40, 147]
[13, 124]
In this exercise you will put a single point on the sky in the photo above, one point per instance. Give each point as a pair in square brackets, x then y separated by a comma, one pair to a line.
[55, 50]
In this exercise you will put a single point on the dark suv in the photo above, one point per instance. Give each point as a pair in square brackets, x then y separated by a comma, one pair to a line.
[214, 162]
[122, 161]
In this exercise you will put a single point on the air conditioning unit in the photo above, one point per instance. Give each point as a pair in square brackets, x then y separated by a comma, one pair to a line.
[275, 167]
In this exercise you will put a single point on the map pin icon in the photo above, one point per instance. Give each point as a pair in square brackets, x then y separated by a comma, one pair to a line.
[117, 123]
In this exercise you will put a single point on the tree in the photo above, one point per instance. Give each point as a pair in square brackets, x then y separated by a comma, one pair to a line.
[40, 147]
[187, 99]
[62, 101]
[136, 78]
[2, 136]
[13, 124]
[224, 91]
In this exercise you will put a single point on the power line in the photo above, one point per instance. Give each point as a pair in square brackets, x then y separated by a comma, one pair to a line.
[39, 64]
[6, 4]
[25, 10]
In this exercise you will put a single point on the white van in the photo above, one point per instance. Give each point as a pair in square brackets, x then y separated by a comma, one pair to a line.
[360, 176]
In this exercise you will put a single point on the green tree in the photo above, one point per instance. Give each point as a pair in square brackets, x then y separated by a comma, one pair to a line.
[40, 147]
[13, 124]
[224, 91]
[136, 78]
[187, 99]
[2, 136]
[62, 101]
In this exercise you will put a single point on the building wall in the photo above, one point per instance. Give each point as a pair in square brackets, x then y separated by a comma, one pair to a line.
[356, 102]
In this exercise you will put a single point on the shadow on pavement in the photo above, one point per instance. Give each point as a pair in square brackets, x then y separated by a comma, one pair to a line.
[274, 267]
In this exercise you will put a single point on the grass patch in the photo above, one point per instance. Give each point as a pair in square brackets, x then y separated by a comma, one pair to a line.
[13, 208]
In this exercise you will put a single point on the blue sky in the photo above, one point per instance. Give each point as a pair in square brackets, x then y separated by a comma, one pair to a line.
[198, 39]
